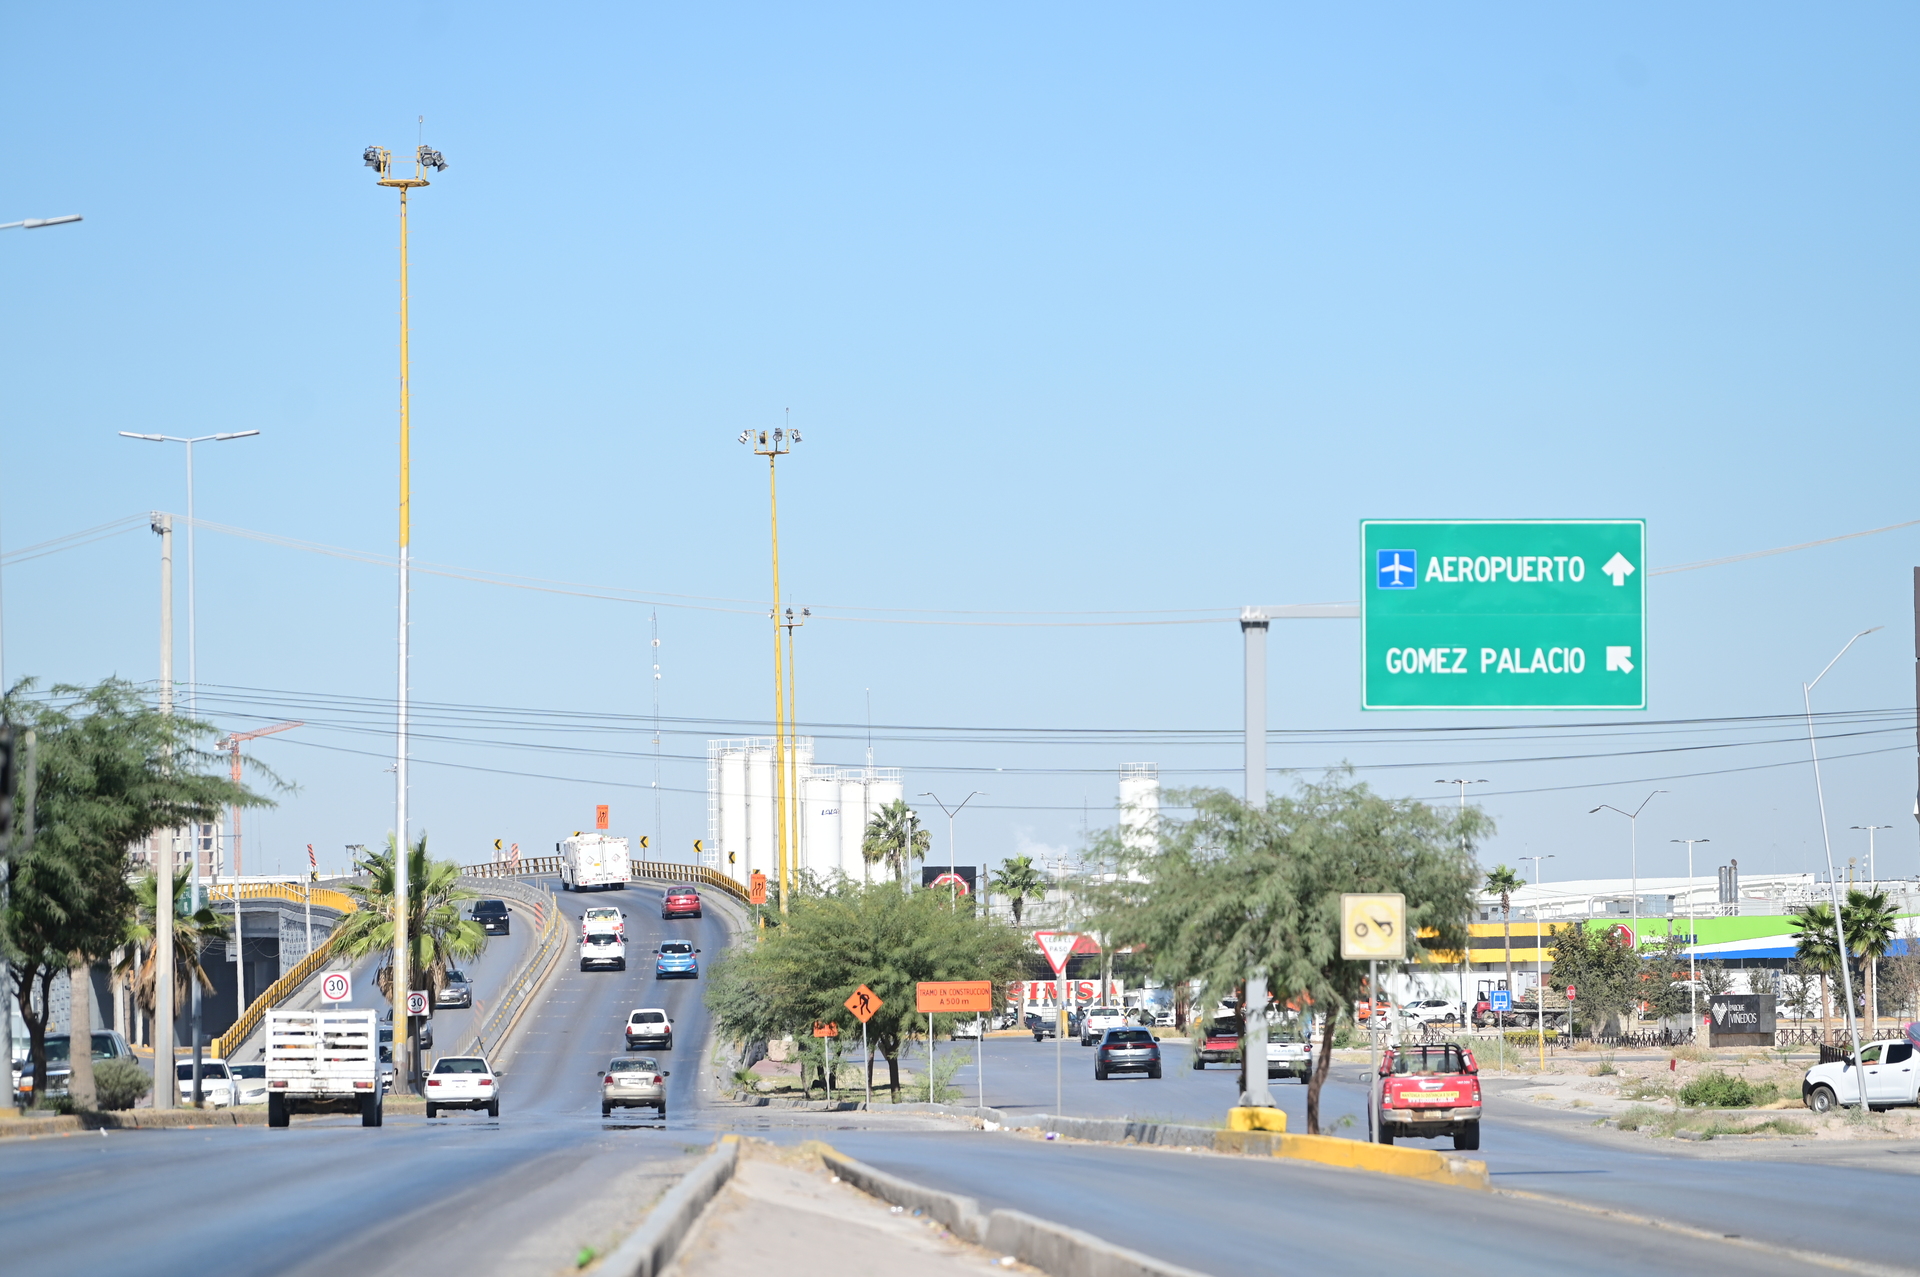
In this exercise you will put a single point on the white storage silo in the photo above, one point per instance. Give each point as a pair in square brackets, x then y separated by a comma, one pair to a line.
[1139, 805]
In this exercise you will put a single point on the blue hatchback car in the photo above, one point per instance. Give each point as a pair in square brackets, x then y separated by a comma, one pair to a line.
[675, 960]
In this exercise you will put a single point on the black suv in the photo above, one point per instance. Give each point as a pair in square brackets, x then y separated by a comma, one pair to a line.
[492, 917]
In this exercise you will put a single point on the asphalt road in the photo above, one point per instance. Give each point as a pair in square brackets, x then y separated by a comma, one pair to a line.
[463, 1193]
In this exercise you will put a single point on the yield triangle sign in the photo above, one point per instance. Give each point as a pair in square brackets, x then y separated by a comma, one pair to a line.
[1057, 945]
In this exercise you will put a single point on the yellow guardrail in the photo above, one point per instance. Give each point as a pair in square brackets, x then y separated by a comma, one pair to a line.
[325, 897]
[279, 990]
[656, 870]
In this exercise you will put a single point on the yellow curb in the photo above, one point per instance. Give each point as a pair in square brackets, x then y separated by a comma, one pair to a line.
[1257, 1119]
[1384, 1159]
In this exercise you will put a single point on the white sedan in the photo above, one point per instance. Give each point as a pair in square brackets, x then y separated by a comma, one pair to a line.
[216, 1088]
[463, 1082]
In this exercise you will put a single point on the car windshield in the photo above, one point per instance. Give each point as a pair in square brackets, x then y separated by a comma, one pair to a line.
[1425, 1061]
[676, 948]
[59, 1045]
[1129, 1036]
[1228, 1028]
[601, 915]
[629, 1064]
[456, 977]
[603, 937]
[679, 891]
[209, 1071]
[249, 1070]
[461, 1064]
[489, 906]
[649, 1017]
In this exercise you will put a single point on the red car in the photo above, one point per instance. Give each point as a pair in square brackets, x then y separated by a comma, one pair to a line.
[681, 901]
[1221, 1042]
[1429, 1090]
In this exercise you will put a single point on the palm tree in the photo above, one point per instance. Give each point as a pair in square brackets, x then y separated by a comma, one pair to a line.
[886, 838]
[1016, 878]
[1817, 950]
[438, 934]
[1869, 922]
[1505, 882]
[192, 933]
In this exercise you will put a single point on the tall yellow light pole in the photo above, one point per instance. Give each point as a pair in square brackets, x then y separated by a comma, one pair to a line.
[380, 160]
[793, 732]
[774, 444]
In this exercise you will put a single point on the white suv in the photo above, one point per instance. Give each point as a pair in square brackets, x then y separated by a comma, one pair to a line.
[1432, 1011]
[1097, 1020]
[603, 949]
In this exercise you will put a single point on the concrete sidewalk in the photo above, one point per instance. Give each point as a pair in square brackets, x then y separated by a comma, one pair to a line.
[782, 1212]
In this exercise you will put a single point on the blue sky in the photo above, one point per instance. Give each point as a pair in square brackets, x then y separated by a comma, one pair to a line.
[1102, 309]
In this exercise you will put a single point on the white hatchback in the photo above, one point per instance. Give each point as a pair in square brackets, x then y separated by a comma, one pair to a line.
[463, 1082]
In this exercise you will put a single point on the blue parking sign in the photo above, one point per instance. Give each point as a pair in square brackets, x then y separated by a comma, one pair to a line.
[1502, 1001]
[1396, 569]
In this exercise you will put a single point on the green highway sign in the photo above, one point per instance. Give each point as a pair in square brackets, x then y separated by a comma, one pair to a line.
[1503, 614]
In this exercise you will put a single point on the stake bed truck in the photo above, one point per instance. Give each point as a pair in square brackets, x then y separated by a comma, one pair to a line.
[323, 1062]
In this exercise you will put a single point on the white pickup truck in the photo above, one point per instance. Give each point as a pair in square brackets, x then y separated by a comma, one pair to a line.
[1893, 1077]
[593, 861]
[1287, 1059]
[323, 1062]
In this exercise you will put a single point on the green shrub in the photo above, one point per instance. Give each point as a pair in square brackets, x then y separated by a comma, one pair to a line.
[62, 1104]
[1638, 1116]
[1720, 1091]
[1604, 1068]
[118, 1083]
[1645, 1088]
[1531, 1037]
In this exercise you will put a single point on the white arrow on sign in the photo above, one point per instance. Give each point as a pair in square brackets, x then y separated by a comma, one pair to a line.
[1057, 945]
[1618, 568]
[1620, 658]
[337, 986]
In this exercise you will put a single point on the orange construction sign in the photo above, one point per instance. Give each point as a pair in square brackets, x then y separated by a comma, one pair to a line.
[825, 1029]
[938, 996]
[600, 816]
[863, 1003]
[757, 888]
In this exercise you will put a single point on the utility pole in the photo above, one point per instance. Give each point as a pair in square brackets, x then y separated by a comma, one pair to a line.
[952, 890]
[1693, 942]
[164, 1085]
[774, 444]
[1466, 954]
[380, 160]
[795, 799]
[1253, 1011]
[1633, 845]
[1873, 870]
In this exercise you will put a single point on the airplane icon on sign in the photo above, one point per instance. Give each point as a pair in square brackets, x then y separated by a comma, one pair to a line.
[1397, 569]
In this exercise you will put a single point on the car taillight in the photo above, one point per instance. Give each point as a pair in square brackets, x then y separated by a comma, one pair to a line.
[609, 1079]
[433, 1081]
[486, 1081]
[657, 1079]
[278, 1086]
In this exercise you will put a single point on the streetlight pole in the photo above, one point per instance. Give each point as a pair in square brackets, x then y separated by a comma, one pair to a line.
[1539, 963]
[1873, 871]
[166, 1088]
[27, 224]
[774, 444]
[380, 160]
[193, 705]
[1693, 943]
[951, 857]
[1466, 954]
[1833, 881]
[1633, 819]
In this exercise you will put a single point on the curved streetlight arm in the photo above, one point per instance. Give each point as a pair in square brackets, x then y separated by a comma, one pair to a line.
[1836, 660]
[35, 223]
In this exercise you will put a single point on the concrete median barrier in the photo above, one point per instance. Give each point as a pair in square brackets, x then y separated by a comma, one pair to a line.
[650, 1248]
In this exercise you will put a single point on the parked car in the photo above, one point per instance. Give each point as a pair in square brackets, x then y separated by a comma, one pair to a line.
[1432, 1011]
[675, 959]
[634, 1082]
[1164, 1020]
[603, 949]
[604, 918]
[1097, 1020]
[1892, 1079]
[216, 1088]
[1043, 1025]
[1428, 1090]
[108, 1044]
[680, 901]
[1126, 1051]
[458, 991]
[250, 1082]
[492, 916]
[649, 1026]
[463, 1082]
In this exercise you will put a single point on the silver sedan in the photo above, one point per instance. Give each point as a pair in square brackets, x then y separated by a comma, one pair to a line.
[633, 1082]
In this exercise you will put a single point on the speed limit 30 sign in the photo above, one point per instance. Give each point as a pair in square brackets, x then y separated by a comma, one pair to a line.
[337, 986]
[417, 1002]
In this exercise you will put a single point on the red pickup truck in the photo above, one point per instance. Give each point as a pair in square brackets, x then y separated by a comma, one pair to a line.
[1429, 1090]
[1221, 1043]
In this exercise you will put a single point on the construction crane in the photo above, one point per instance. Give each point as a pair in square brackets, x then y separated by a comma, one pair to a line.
[233, 747]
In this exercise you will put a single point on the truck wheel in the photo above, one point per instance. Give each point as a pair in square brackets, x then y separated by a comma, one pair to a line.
[1822, 1099]
[1036, 1037]
[1198, 1063]
[276, 1110]
[1467, 1138]
[1384, 1135]
[370, 1113]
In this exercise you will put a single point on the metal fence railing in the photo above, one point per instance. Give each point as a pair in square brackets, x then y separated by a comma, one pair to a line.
[323, 897]
[276, 993]
[650, 870]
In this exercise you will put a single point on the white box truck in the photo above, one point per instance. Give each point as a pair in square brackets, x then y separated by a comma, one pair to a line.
[593, 861]
[323, 1062]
